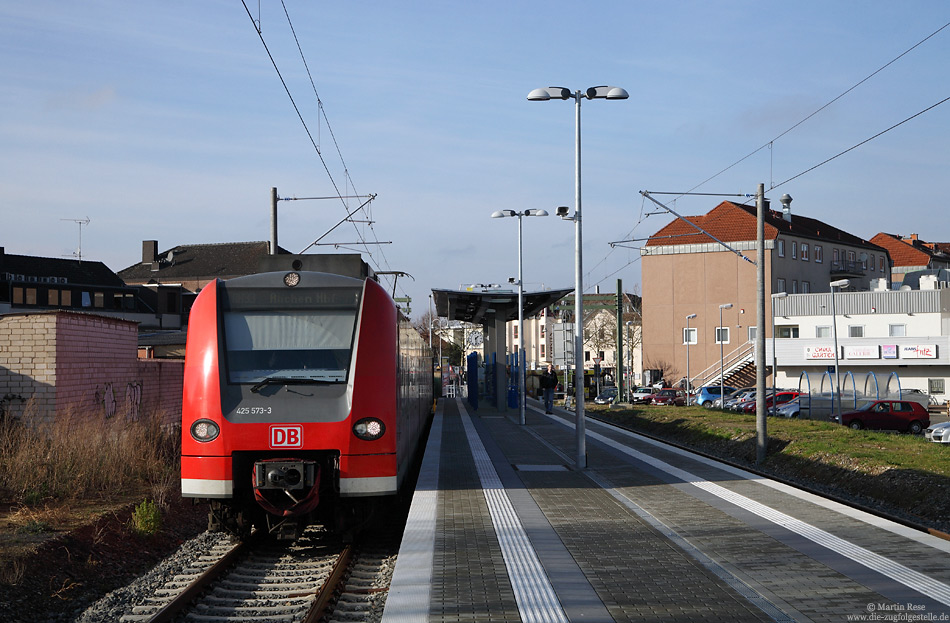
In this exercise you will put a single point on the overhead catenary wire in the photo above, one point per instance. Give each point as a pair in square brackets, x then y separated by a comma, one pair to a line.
[769, 144]
[348, 182]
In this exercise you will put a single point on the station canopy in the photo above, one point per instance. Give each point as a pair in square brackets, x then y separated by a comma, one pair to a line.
[476, 306]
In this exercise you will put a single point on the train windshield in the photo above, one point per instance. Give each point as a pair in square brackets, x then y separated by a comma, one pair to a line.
[306, 337]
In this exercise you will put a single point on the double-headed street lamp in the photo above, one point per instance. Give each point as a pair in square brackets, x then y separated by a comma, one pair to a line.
[562, 93]
[840, 283]
[521, 357]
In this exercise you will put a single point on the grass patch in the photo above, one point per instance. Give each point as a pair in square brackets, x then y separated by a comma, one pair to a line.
[902, 473]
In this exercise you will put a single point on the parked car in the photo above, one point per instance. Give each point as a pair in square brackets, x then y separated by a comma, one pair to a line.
[790, 409]
[670, 396]
[781, 397]
[917, 395]
[902, 415]
[642, 395]
[706, 396]
[938, 433]
[607, 396]
[733, 403]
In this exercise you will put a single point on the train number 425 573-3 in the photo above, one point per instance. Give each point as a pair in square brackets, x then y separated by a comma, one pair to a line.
[253, 410]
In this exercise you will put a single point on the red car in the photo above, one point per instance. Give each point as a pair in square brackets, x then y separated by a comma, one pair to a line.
[670, 396]
[780, 398]
[902, 415]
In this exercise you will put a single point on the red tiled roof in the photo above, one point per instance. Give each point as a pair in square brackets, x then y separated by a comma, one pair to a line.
[731, 222]
[910, 252]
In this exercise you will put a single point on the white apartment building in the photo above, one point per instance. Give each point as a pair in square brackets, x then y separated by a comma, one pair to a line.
[879, 332]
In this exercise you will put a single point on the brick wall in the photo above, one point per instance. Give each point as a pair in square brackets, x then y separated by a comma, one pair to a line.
[83, 365]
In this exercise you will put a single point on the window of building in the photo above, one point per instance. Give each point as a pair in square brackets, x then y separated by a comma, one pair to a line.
[31, 296]
[722, 335]
[806, 287]
[542, 330]
[823, 331]
[804, 252]
[17, 296]
[851, 256]
[752, 332]
[864, 261]
[99, 299]
[586, 355]
[897, 330]
[86, 299]
[819, 253]
[53, 298]
[835, 256]
[788, 331]
[936, 386]
[872, 264]
[880, 263]
[690, 335]
[794, 286]
[781, 248]
[514, 330]
[794, 250]
[66, 300]
[855, 330]
[780, 284]
[542, 351]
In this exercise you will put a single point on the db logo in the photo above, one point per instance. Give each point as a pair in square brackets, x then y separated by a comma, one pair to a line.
[286, 436]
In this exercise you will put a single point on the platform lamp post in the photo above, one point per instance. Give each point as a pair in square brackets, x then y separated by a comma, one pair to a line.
[629, 324]
[562, 93]
[840, 283]
[689, 383]
[722, 373]
[775, 297]
[521, 357]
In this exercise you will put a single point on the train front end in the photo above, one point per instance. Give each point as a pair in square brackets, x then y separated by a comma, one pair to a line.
[289, 409]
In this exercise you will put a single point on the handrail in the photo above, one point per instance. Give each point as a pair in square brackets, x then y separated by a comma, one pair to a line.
[741, 355]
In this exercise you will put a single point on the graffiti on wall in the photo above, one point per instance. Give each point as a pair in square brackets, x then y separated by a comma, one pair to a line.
[106, 398]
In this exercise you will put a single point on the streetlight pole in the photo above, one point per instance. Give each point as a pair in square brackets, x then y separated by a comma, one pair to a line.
[722, 398]
[521, 353]
[840, 283]
[629, 359]
[688, 381]
[562, 93]
[775, 297]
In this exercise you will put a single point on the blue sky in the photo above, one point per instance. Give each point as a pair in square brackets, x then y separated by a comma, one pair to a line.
[166, 120]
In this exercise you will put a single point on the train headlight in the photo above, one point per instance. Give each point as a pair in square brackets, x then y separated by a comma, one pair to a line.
[204, 430]
[369, 429]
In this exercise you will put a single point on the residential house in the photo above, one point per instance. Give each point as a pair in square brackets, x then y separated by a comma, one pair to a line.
[911, 254]
[686, 271]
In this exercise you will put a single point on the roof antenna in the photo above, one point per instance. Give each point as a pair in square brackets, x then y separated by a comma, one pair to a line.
[80, 222]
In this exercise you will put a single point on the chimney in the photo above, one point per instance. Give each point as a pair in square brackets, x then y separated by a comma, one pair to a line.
[149, 251]
[787, 213]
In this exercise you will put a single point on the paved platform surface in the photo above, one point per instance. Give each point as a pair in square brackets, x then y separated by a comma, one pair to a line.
[504, 528]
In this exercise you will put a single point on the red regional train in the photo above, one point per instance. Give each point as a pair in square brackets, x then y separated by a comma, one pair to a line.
[306, 396]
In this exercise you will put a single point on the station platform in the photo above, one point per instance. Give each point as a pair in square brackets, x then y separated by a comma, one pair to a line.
[502, 527]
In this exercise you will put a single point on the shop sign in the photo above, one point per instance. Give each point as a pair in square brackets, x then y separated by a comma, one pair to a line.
[819, 352]
[919, 351]
[861, 352]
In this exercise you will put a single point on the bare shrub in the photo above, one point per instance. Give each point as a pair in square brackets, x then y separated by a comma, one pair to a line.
[87, 457]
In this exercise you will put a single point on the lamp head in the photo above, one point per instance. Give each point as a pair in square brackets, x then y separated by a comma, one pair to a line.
[841, 283]
[543, 95]
[691, 316]
[535, 212]
[726, 306]
[502, 213]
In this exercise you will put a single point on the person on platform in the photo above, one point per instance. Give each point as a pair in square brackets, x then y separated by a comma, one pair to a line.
[549, 382]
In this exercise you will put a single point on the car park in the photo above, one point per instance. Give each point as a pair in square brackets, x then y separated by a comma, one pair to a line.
[607, 396]
[900, 415]
[670, 396]
[938, 433]
[642, 395]
[706, 396]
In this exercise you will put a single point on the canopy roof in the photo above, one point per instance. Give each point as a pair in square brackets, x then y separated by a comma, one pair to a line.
[475, 307]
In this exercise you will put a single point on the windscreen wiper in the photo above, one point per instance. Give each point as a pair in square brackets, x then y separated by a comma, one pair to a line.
[283, 380]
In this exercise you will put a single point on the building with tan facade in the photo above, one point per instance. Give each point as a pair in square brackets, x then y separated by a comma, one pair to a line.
[686, 271]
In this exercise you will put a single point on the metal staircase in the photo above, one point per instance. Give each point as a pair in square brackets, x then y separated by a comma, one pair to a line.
[738, 369]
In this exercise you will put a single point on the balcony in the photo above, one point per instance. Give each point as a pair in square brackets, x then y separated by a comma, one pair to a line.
[848, 269]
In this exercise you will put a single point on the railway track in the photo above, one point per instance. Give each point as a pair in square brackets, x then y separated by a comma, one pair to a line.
[256, 580]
